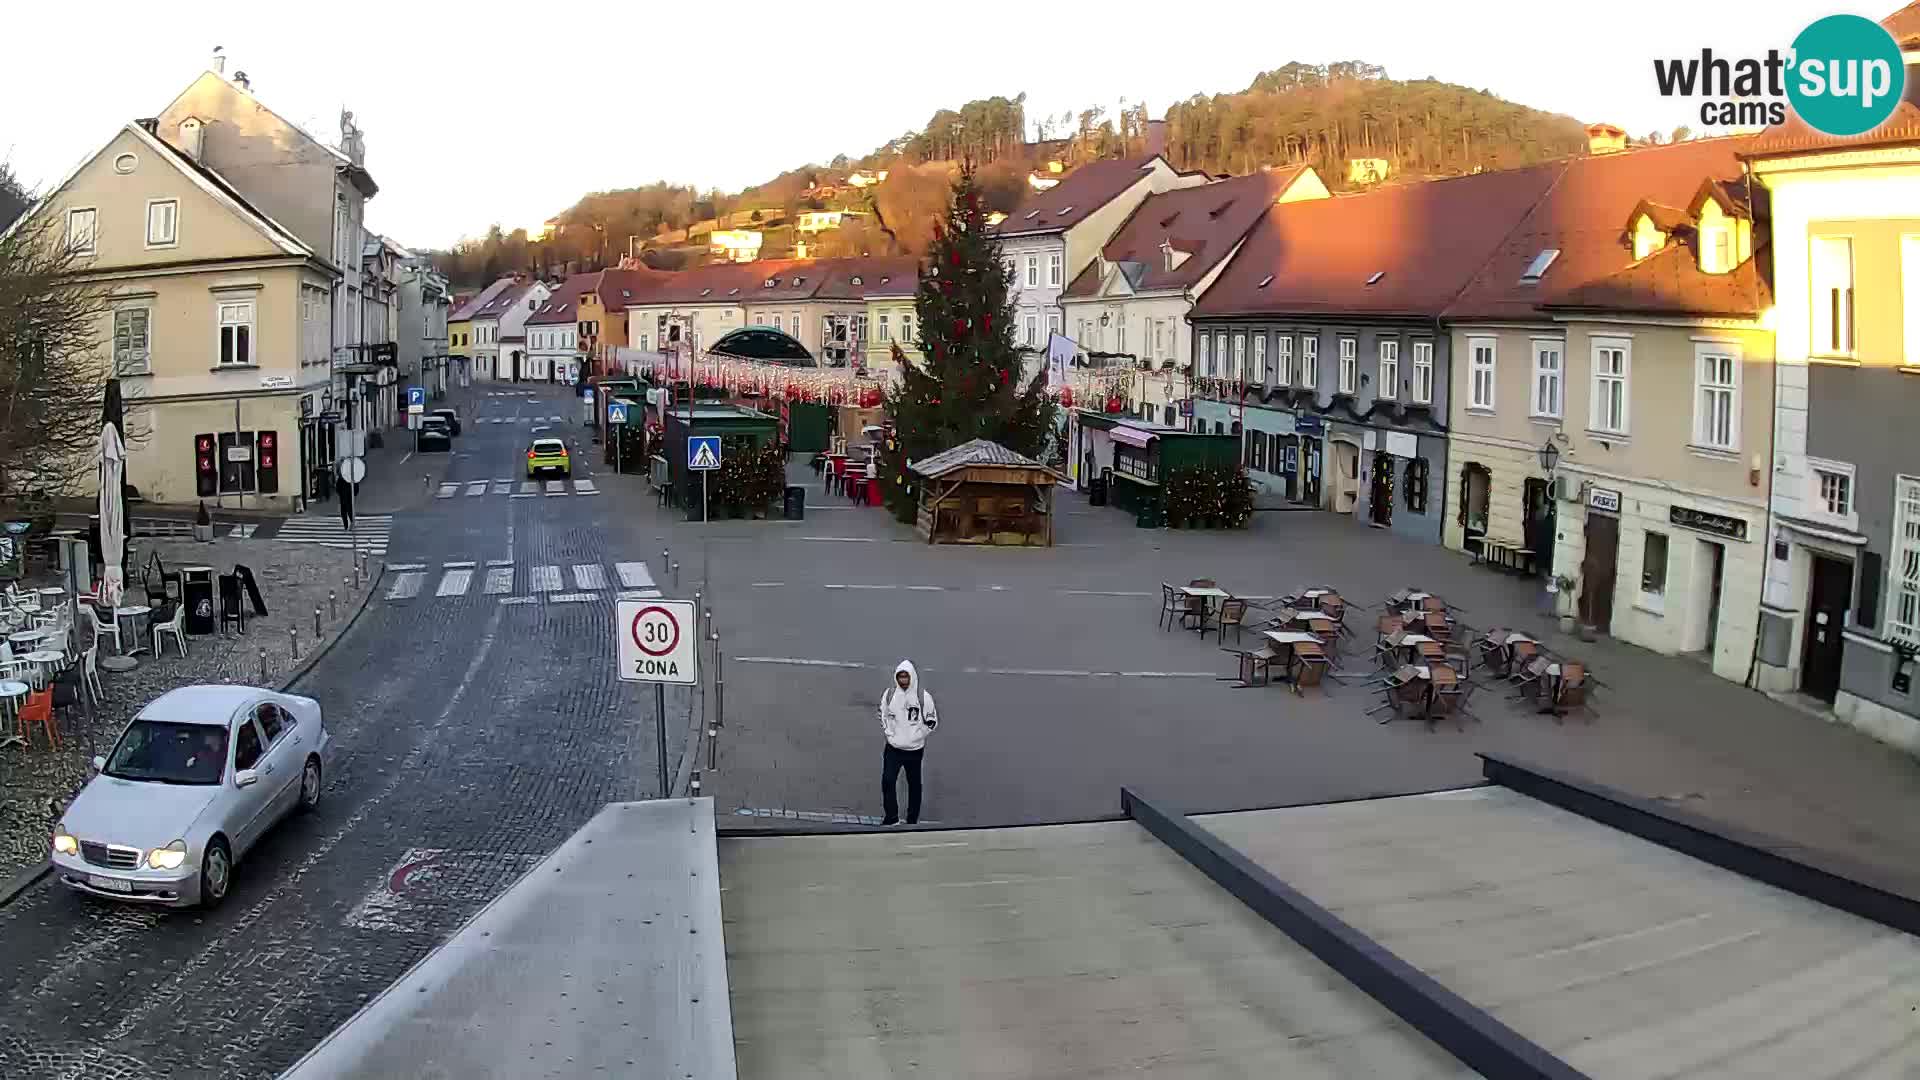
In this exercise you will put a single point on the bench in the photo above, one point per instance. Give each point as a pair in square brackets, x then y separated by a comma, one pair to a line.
[1501, 553]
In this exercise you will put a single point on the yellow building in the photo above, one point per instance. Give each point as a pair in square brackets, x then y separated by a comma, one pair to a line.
[217, 321]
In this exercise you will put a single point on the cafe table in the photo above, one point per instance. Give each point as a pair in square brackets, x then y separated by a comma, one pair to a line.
[125, 661]
[44, 659]
[1286, 640]
[27, 638]
[11, 691]
[1206, 594]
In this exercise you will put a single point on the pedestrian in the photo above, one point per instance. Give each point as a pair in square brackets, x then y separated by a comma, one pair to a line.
[346, 505]
[907, 714]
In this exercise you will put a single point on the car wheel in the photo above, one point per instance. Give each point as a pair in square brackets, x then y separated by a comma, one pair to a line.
[216, 873]
[310, 786]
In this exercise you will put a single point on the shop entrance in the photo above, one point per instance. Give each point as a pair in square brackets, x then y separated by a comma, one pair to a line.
[1828, 595]
[1599, 570]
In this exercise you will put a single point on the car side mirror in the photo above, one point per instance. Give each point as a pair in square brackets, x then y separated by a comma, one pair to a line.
[99, 763]
[245, 778]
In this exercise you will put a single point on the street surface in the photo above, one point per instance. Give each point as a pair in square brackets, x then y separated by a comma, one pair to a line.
[479, 722]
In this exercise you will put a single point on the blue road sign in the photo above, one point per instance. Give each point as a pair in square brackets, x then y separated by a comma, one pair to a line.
[588, 394]
[416, 395]
[703, 452]
[616, 412]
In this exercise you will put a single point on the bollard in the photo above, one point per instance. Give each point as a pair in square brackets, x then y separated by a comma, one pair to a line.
[333, 604]
[293, 640]
[713, 738]
[263, 665]
[316, 624]
[693, 789]
[666, 557]
[676, 575]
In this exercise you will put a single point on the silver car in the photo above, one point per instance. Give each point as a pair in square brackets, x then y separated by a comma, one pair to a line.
[194, 782]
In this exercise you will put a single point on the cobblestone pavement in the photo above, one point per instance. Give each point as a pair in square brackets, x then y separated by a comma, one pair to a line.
[36, 784]
[472, 736]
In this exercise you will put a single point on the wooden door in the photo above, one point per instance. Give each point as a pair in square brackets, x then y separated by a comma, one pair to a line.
[1827, 598]
[1599, 570]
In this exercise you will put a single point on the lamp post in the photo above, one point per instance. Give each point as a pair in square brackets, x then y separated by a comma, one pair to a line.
[1549, 457]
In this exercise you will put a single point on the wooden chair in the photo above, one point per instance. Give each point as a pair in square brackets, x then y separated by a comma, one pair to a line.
[1492, 649]
[1403, 691]
[1233, 612]
[1439, 627]
[1398, 598]
[38, 709]
[1169, 606]
[1571, 694]
[1431, 602]
[1526, 678]
[1519, 655]
[1256, 665]
[1336, 609]
[1451, 694]
[1309, 666]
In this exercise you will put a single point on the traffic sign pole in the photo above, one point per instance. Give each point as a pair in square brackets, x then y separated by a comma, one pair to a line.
[660, 732]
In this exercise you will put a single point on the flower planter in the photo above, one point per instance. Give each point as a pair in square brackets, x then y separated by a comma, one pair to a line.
[203, 533]
[1566, 624]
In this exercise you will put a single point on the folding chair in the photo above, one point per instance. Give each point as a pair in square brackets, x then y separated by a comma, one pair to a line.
[1308, 667]
[1449, 697]
[1526, 679]
[1256, 665]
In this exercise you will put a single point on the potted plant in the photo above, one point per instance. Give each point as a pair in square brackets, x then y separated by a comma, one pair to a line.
[1564, 586]
[203, 525]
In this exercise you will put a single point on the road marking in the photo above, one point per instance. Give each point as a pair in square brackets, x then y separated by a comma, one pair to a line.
[589, 576]
[405, 456]
[634, 575]
[406, 586]
[546, 579]
[1051, 672]
[499, 580]
[541, 428]
[476, 487]
[639, 594]
[467, 565]
[927, 588]
[573, 597]
[798, 662]
[529, 487]
[519, 600]
[407, 566]
[502, 487]
[834, 818]
[454, 583]
[500, 562]
[447, 491]
[555, 487]
[1169, 674]
[843, 539]
[767, 585]
[1102, 592]
[585, 487]
[949, 843]
[871, 586]
[524, 495]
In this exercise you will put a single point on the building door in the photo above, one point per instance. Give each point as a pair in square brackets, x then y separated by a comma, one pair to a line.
[1598, 571]
[1289, 465]
[1312, 467]
[1827, 599]
[1346, 477]
[1712, 561]
[1537, 523]
[1380, 490]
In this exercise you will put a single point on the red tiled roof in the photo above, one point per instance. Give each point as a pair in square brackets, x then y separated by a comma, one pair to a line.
[792, 280]
[503, 301]
[1205, 222]
[1797, 137]
[1425, 240]
[1585, 217]
[1904, 25]
[1068, 203]
[1670, 282]
[564, 305]
[474, 302]
[878, 275]
[620, 287]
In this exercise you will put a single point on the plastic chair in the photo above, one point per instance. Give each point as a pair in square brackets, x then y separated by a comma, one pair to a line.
[12, 667]
[90, 674]
[38, 709]
[100, 630]
[173, 628]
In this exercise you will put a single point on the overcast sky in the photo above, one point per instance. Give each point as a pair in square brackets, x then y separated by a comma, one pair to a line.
[474, 115]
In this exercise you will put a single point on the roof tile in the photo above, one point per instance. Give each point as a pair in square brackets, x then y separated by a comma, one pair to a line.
[1205, 222]
[1069, 202]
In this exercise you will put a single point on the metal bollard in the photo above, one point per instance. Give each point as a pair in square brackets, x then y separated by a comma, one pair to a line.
[316, 624]
[676, 575]
[333, 604]
[666, 557]
[263, 664]
[713, 740]
[293, 640]
[693, 789]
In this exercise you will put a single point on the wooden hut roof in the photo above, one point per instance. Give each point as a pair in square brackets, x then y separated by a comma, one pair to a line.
[970, 454]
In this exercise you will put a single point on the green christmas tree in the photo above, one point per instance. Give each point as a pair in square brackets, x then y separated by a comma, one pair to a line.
[965, 381]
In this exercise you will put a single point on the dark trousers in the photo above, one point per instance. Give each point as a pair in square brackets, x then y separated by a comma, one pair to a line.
[897, 759]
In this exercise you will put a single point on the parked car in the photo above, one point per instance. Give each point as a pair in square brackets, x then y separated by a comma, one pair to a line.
[548, 455]
[451, 416]
[434, 436]
[194, 782]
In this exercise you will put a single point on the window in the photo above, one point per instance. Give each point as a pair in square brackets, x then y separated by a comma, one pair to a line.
[1716, 408]
[80, 231]
[1260, 358]
[1309, 361]
[1053, 322]
[1349, 364]
[163, 222]
[131, 352]
[1156, 350]
[886, 328]
[246, 746]
[1653, 566]
[1480, 359]
[1283, 360]
[776, 322]
[1423, 372]
[1610, 385]
[1537, 269]
[1033, 271]
[1903, 613]
[1389, 369]
[236, 332]
[906, 326]
[1830, 495]
[1716, 249]
[1053, 269]
[1033, 329]
[1206, 357]
[1414, 483]
[1120, 336]
[270, 722]
[1546, 379]
[1239, 357]
[1832, 296]
[1836, 492]
[1220, 356]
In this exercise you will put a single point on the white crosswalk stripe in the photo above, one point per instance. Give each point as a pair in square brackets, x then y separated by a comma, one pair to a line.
[589, 576]
[371, 532]
[547, 579]
[499, 581]
[569, 583]
[555, 487]
[503, 487]
[585, 487]
[454, 583]
[634, 575]
[406, 586]
[476, 487]
[447, 491]
[529, 487]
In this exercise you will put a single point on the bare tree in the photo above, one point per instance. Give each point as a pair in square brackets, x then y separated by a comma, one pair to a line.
[53, 371]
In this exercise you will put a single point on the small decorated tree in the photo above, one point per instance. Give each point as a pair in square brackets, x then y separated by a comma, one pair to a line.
[965, 380]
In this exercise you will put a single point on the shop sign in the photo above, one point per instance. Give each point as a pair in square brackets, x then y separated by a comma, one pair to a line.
[1310, 424]
[1705, 521]
[1606, 499]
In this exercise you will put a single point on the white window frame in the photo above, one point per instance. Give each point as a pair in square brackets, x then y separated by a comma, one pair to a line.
[1310, 361]
[1054, 323]
[1389, 386]
[1120, 335]
[91, 231]
[173, 237]
[1703, 352]
[1910, 298]
[1206, 355]
[1903, 562]
[1158, 349]
[1349, 365]
[1548, 382]
[1240, 356]
[1603, 380]
[1817, 507]
[1033, 271]
[1483, 359]
[1827, 300]
[1713, 259]
[1054, 263]
[1221, 357]
[1423, 372]
[1283, 360]
[243, 314]
[131, 360]
[885, 329]
[1260, 357]
[906, 327]
[1031, 322]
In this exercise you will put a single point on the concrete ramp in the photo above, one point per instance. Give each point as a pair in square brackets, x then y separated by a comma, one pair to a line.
[607, 959]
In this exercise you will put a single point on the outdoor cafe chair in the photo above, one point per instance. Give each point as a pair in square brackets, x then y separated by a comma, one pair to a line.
[1170, 605]
[1308, 668]
[1233, 612]
[1439, 627]
[1527, 679]
[1459, 656]
[1401, 692]
[38, 709]
[1398, 599]
[1570, 691]
[1451, 697]
[173, 628]
[90, 674]
[1256, 665]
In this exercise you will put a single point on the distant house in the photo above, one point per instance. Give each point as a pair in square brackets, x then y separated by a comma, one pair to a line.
[1365, 171]
[862, 178]
[815, 221]
[735, 245]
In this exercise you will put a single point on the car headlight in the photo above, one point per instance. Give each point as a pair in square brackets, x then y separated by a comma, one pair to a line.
[169, 857]
[64, 843]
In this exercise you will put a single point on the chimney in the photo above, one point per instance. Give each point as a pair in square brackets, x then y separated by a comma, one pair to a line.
[191, 137]
[240, 79]
[1605, 139]
[219, 60]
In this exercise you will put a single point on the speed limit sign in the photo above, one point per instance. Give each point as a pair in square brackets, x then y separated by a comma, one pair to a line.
[658, 641]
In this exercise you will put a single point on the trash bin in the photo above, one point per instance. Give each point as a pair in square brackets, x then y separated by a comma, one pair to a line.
[196, 588]
[1097, 491]
[794, 508]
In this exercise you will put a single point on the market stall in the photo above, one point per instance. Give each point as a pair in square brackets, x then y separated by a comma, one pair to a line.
[983, 493]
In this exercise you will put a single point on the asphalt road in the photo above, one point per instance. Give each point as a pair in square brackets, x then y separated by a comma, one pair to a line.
[473, 736]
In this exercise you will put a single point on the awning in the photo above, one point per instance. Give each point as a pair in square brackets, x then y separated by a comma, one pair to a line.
[1820, 532]
[1132, 436]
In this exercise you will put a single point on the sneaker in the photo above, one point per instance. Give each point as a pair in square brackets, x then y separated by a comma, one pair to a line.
[889, 823]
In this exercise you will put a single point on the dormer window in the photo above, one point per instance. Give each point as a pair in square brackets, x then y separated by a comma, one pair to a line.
[1031, 214]
[769, 283]
[856, 279]
[799, 281]
[1221, 209]
[1538, 267]
[1647, 237]
[1716, 248]
[706, 292]
[1377, 275]
[625, 295]
[885, 279]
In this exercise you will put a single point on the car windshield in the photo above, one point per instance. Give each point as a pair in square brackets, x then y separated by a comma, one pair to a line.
[164, 752]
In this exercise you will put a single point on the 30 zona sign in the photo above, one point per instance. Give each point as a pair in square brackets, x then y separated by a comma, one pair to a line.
[659, 641]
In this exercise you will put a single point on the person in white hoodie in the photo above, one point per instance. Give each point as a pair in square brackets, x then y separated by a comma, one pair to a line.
[907, 714]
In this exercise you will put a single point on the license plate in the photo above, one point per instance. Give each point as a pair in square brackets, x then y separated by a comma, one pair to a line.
[110, 884]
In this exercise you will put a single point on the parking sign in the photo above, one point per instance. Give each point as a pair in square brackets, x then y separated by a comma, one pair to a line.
[416, 399]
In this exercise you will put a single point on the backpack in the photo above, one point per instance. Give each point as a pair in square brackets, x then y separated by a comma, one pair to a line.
[919, 701]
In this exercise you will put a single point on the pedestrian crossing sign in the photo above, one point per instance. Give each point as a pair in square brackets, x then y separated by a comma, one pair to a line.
[703, 452]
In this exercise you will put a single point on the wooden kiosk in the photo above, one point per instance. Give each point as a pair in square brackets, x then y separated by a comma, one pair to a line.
[983, 493]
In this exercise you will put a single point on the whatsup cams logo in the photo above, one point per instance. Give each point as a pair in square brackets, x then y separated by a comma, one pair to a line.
[1843, 76]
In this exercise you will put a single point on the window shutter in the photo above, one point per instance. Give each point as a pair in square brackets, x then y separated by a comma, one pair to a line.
[1866, 610]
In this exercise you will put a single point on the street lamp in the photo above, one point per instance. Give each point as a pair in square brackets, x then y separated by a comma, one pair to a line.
[1549, 456]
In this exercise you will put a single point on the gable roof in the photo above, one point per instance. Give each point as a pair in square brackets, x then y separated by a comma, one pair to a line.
[465, 312]
[1424, 240]
[1670, 282]
[1068, 203]
[362, 179]
[622, 286]
[1796, 136]
[504, 300]
[970, 453]
[563, 306]
[1904, 25]
[1205, 222]
[868, 277]
[1585, 217]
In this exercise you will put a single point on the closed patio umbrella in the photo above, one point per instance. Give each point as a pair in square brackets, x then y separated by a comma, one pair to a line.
[113, 522]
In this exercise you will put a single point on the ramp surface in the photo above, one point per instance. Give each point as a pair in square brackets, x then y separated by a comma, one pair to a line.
[606, 959]
[1058, 951]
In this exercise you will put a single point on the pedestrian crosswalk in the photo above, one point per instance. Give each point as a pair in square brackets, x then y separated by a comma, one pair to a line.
[520, 420]
[518, 584]
[370, 532]
[514, 489]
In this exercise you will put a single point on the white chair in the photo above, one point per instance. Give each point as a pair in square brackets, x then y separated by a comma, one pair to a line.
[101, 630]
[90, 674]
[12, 667]
[174, 628]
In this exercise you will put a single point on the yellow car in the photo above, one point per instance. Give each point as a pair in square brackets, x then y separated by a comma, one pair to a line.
[548, 455]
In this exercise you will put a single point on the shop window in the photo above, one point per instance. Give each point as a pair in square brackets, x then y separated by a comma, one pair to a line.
[1415, 485]
[1476, 492]
[1653, 567]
